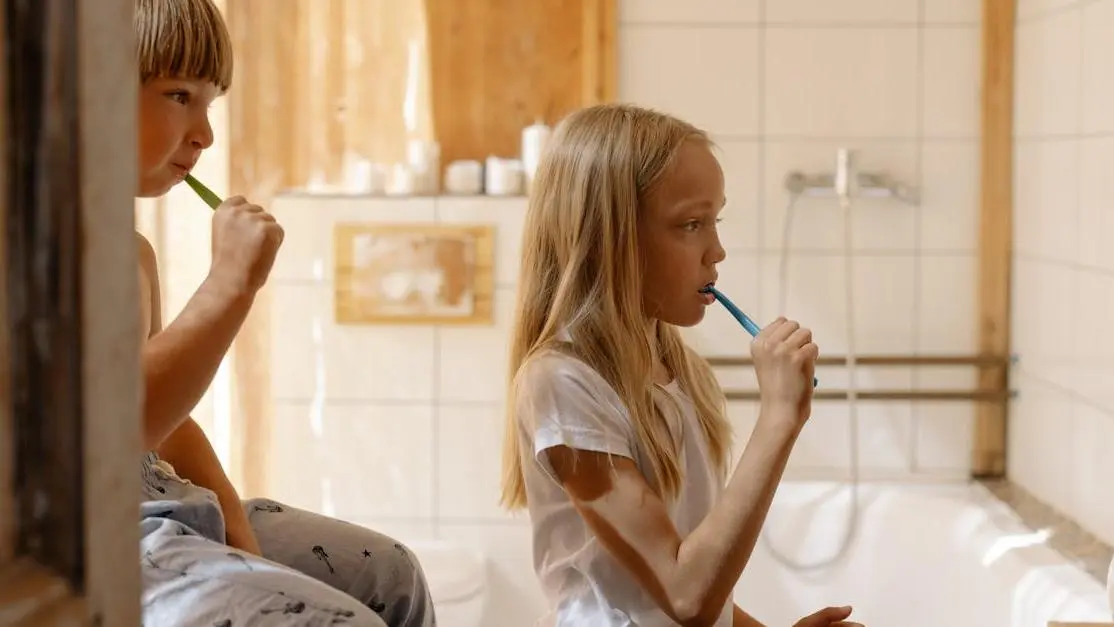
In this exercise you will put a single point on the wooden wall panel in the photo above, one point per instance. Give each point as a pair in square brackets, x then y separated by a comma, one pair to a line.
[500, 65]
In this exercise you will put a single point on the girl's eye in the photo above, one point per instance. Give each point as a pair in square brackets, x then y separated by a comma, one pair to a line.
[694, 225]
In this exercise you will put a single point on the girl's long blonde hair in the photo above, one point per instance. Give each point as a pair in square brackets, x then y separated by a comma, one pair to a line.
[581, 272]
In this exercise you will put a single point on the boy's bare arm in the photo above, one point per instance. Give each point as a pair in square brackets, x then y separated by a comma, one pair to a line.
[187, 448]
[192, 455]
[179, 362]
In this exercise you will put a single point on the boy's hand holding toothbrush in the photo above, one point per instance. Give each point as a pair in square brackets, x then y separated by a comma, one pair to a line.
[785, 362]
[246, 240]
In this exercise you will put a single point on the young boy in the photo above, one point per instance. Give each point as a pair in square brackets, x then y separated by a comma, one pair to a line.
[208, 558]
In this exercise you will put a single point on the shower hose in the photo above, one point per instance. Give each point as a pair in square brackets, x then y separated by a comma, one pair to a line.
[852, 523]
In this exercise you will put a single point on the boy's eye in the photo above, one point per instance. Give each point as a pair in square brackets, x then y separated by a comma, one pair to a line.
[181, 97]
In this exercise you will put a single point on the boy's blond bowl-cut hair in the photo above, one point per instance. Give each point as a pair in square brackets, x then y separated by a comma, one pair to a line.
[184, 39]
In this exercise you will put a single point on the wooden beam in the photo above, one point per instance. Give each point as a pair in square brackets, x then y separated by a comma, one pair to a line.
[72, 425]
[995, 231]
[599, 78]
[8, 525]
[111, 367]
[42, 204]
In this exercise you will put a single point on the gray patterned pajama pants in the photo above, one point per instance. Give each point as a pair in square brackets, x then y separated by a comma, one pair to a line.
[315, 570]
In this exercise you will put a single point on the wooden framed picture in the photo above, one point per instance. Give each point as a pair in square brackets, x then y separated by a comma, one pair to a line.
[414, 273]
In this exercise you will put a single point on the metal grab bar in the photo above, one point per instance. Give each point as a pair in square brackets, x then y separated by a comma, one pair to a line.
[888, 395]
[981, 361]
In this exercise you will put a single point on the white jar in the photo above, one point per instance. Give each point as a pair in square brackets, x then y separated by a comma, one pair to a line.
[464, 177]
[503, 177]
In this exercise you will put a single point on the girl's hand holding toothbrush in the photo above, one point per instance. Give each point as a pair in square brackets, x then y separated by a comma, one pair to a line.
[785, 362]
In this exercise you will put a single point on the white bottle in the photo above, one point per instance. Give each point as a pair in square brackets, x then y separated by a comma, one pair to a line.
[424, 159]
[534, 139]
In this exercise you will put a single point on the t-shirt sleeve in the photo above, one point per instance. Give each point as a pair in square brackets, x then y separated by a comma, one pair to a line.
[560, 400]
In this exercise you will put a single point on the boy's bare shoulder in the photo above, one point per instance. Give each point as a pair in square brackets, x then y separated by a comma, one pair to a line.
[145, 247]
[146, 253]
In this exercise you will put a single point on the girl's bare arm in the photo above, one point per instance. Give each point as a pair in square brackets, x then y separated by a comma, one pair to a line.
[690, 578]
[742, 619]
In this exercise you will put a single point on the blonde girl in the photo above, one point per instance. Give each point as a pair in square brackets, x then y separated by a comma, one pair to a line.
[616, 437]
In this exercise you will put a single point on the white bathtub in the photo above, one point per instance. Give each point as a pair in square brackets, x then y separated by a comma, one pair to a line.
[924, 556]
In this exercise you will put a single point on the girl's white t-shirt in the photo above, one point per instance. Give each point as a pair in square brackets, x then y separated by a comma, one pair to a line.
[560, 400]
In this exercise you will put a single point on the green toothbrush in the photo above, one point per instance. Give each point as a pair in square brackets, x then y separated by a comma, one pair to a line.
[205, 193]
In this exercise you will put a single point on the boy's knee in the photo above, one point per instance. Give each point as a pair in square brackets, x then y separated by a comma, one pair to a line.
[408, 564]
[268, 506]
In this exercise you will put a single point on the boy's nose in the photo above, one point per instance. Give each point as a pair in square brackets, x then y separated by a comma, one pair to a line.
[202, 136]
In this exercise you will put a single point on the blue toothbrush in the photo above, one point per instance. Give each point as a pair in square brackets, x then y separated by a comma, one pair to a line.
[738, 314]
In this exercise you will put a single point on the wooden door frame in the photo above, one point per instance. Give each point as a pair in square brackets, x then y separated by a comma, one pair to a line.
[69, 546]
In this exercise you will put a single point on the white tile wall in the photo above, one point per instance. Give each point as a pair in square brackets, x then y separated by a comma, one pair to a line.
[952, 12]
[1062, 423]
[949, 217]
[1047, 62]
[656, 70]
[848, 11]
[1098, 67]
[853, 82]
[951, 81]
[780, 85]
